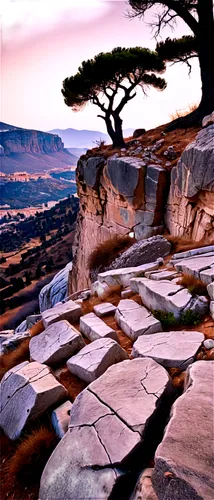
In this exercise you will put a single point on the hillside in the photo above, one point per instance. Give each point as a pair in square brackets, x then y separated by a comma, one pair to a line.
[84, 138]
[32, 150]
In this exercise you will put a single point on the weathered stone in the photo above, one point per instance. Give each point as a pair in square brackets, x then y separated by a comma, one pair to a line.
[207, 276]
[32, 320]
[142, 232]
[99, 289]
[22, 327]
[69, 311]
[209, 343]
[193, 252]
[94, 359]
[124, 275]
[104, 308]
[196, 266]
[27, 390]
[94, 328]
[107, 421]
[126, 294]
[55, 344]
[144, 489]
[212, 309]
[91, 170]
[198, 305]
[161, 275]
[135, 320]
[125, 174]
[184, 459]
[162, 295]
[5, 336]
[143, 252]
[56, 290]
[60, 418]
[208, 120]
[170, 349]
[13, 341]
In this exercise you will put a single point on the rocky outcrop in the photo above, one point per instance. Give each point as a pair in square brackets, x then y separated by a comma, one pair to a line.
[190, 206]
[30, 141]
[55, 291]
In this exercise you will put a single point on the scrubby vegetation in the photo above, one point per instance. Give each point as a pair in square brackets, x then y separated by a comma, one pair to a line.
[106, 252]
[182, 244]
[168, 320]
[194, 285]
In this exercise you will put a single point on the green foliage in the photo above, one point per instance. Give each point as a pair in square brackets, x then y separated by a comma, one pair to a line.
[189, 318]
[177, 49]
[168, 320]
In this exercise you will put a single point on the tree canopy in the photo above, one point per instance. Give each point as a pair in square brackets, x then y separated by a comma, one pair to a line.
[99, 80]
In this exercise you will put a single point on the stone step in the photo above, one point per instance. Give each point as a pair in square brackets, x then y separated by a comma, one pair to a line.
[69, 311]
[104, 309]
[169, 349]
[202, 267]
[193, 252]
[94, 359]
[122, 276]
[56, 343]
[161, 275]
[94, 328]
[135, 319]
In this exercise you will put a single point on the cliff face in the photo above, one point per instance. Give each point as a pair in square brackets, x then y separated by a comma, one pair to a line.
[30, 141]
[119, 196]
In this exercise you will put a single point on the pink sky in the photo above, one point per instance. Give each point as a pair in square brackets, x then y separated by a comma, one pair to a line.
[45, 41]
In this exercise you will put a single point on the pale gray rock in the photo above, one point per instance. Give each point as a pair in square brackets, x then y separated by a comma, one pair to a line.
[212, 309]
[207, 276]
[27, 390]
[90, 170]
[13, 341]
[4, 337]
[104, 308]
[126, 294]
[124, 175]
[143, 252]
[123, 276]
[56, 290]
[199, 305]
[135, 320]
[94, 328]
[170, 349]
[99, 289]
[209, 343]
[144, 489]
[60, 418]
[107, 421]
[56, 343]
[32, 320]
[161, 275]
[22, 327]
[162, 295]
[94, 359]
[193, 252]
[198, 266]
[184, 459]
[69, 311]
[208, 120]
[141, 231]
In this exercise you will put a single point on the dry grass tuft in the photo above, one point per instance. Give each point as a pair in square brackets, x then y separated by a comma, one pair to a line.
[13, 358]
[107, 251]
[72, 383]
[32, 453]
[37, 329]
[178, 378]
[179, 113]
[180, 244]
[194, 285]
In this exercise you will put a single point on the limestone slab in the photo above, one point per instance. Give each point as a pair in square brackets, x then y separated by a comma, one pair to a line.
[196, 265]
[135, 319]
[56, 343]
[170, 349]
[94, 328]
[123, 276]
[104, 308]
[161, 275]
[60, 418]
[184, 459]
[69, 311]
[94, 359]
[27, 390]
[207, 276]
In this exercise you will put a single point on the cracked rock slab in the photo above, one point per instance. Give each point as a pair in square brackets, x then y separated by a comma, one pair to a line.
[60, 419]
[162, 295]
[55, 344]
[170, 349]
[94, 359]
[135, 320]
[69, 311]
[27, 390]
[94, 328]
[104, 308]
[122, 276]
[186, 451]
[107, 421]
[201, 266]
[161, 275]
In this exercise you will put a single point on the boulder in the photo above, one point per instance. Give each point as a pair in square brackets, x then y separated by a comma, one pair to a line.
[108, 419]
[94, 328]
[209, 343]
[138, 132]
[12, 341]
[144, 489]
[184, 459]
[94, 359]
[27, 391]
[169, 349]
[104, 309]
[56, 343]
[135, 320]
[60, 418]
[69, 311]
[56, 290]
[143, 252]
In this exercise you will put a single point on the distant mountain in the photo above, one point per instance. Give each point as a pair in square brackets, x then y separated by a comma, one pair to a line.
[32, 151]
[73, 138]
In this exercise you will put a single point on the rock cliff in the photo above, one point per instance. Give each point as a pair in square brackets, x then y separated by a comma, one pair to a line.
[30, 141]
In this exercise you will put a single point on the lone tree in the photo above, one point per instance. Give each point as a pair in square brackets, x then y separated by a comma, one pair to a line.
[198, 15]
[98, 81]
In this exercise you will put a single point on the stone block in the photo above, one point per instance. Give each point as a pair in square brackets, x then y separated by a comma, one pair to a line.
[69, 311]
[94, 328]
[135, 320]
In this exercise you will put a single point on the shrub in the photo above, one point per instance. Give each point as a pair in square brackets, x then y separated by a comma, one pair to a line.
[167, 319]
[189, 318]
[107, 251]
[180, 244]
[13, 358]
[194, 286]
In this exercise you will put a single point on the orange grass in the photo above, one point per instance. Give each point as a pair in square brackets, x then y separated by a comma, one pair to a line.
[107, 251]
[194, 285]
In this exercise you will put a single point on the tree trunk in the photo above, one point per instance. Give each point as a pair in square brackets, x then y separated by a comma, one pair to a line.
[118, 141]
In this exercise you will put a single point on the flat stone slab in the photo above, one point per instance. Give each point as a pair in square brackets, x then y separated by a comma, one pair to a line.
[104, 308]
[135, 320]
[162, 295]
[122, 276]
[184, 459]
[60, 418]
[94, 328]
[107, 421]
[193, 252]
[27, 390]
[69, 311]
[94, 359]
[170, 349]
[201, 266]
[161, 275]
[56, 344]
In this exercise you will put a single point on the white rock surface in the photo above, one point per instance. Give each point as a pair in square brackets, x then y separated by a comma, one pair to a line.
[94, 359]
[184, 459]
[56, 343]
[212, 309]
[170, 349]
[209, 343]
[193, 252]
[99, 289]
[202, 267]
[123, 276]
[27, 390]
[56, 290]
[126, 294]
[210, 289]
[135, 320]
[107, 421]
[60, 418]
[94, 328]
[161, 275]
[208, 120]
[12, 341]
[22, 327]
[69, 311]
[104, 308]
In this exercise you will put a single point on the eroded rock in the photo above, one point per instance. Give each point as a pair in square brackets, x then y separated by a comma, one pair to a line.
[94, 328]
[69, 311]
[135, 320]
[56, 290]
[104, 308]
[60, 418]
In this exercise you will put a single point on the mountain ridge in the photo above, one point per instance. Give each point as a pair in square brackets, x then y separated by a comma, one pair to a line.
[74, 138]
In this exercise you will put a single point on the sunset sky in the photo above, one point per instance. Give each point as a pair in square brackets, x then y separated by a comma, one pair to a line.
[44, 41]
